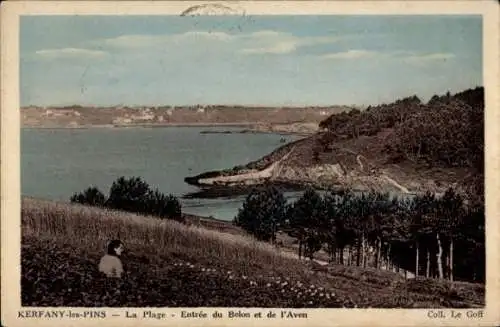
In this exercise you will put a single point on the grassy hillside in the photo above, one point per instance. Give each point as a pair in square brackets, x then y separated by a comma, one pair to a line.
[170, 264]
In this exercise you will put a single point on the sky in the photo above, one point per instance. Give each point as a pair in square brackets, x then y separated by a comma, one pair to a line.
[255, 60]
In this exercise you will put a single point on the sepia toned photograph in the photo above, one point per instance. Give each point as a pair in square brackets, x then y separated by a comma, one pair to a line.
[214, 158]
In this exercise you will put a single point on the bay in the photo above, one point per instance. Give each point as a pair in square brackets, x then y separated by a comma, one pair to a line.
[55, 163]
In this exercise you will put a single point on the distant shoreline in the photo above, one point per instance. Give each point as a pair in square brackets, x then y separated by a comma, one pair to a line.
[248, 128]
[281, 120]
[143, 125]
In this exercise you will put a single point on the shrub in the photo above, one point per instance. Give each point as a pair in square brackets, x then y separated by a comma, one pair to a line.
[91, 196]
[163, 206]
[128, 195]
[133, 195]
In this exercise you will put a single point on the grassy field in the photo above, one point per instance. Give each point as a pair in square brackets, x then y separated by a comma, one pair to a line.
[173, 265]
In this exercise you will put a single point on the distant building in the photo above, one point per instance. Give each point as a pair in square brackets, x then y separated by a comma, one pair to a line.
[121, 120]
[145, 115]
[61, 112]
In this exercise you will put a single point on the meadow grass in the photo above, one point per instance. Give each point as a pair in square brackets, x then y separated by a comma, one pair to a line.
[91, 228]
[171, 264]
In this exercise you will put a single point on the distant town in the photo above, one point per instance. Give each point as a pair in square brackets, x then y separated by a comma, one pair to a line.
[77, 116]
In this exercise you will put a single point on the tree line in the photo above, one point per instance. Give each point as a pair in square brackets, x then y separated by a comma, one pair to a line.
[132, 195]
[441, 237]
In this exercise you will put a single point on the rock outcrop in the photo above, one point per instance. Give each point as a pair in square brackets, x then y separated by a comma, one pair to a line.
[355, 172]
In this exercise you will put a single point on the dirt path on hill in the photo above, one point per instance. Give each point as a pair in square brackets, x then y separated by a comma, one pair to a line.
[267, 173]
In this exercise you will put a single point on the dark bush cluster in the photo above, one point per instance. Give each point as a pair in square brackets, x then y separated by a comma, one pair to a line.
[132, 195]
[431, 236]
[356, 123]
[448, 134]
[445, 132]
[91, 196]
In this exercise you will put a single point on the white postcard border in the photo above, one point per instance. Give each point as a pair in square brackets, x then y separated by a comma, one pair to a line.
[10, 161]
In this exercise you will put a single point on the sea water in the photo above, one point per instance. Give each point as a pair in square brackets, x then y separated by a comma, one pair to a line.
[55, 163]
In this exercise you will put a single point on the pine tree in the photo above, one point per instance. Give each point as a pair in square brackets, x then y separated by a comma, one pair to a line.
[309, 220]
[263, 212]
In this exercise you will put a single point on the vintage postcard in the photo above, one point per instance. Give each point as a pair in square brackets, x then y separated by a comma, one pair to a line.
[250, 163]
